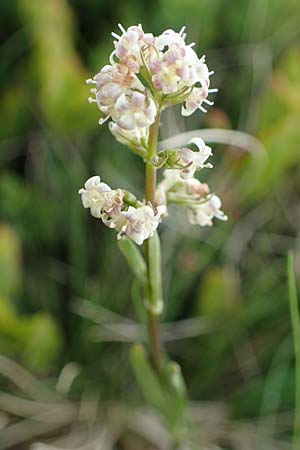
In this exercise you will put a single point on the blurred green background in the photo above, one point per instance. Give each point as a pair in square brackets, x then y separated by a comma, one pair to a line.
[66, 314]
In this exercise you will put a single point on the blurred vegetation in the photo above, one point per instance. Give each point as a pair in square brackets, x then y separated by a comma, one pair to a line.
[65, 290]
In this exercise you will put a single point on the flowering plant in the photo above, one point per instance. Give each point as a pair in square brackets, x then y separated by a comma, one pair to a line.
[146, 75]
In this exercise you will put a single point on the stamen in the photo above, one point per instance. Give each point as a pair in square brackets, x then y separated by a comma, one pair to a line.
[203, 109]
[182, 30]
[111, 57]
[208, 102]
[115, 35]
[121, 28]
[90, 81]
[211, 72]
[192, 44]
[210, 91]
[103, 120]
[94, 91]
[92, 100]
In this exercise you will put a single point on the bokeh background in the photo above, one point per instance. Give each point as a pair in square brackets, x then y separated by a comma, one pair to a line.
[68, 307]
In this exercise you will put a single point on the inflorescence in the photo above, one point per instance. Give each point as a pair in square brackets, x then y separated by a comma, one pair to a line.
[146, 75]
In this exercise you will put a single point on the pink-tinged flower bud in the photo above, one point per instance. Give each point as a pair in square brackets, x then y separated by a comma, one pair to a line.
[168, 70]
[112, 210]
[137, 137]
[204, 213]
[195, 187]
[134, 110]
[170, 37]
[193, 161]
[128, 46]
[194, 101]
[111, 82]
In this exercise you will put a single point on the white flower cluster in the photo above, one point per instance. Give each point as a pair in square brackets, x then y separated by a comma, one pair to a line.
[142, 67]
[201, 206]
[110, 206]
[147, 74]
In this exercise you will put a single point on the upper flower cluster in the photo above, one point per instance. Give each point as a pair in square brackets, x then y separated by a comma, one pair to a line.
[146, 73]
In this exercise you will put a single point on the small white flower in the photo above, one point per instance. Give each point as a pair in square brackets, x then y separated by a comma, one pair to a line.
[111, 82]
[196, 98]
[128, 46]
[168, 70]
[172, 181]
[141, 222]
[171, 177]
[136, 137]
[134, 110]
[195, 187]
[112, 210]
[203, 213]
[104, 203]
[170, 37]
[93, 195]
[194, 160]
[178, 66]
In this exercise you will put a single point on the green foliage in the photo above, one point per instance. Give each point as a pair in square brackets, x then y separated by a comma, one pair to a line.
[58, 72]
[219, 293]
[233, 275]
[134, 259]
[35, 339]
[10, 263]
[279, 130]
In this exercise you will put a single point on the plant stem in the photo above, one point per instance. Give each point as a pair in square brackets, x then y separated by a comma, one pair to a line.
[153, 316]
[295, 318]
[150, 170]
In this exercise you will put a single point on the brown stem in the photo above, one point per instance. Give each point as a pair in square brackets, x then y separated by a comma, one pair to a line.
[155, 341]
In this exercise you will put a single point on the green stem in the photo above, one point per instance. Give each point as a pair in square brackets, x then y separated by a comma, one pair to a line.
[295, 318]
[150, 170]
[153, 315]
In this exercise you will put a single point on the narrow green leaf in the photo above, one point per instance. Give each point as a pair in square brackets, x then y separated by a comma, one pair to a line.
[148, 381]
[134, 259]
[177, 399]
[176, 380]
